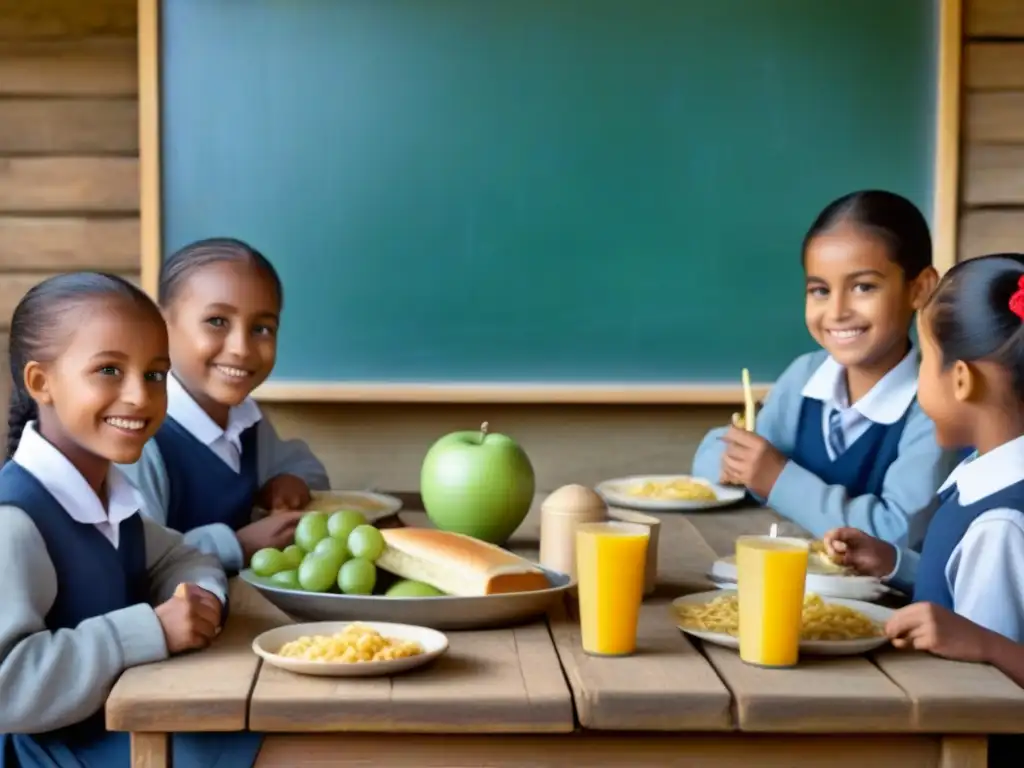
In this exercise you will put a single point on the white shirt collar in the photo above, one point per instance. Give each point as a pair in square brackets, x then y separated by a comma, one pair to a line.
[979, 476]
[187, 412]
[887, 401]
[67, 485]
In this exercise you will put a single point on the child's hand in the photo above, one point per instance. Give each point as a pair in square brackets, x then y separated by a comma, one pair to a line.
[752, 461]
[190, 619]
[275, 531]
[860, 551]
[928, 627]
[284, 492]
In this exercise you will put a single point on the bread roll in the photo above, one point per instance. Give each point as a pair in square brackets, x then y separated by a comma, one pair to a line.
[457, 564]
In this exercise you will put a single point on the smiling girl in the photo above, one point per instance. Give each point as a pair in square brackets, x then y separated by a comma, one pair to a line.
[841, 440]
[89, 586]
[216, 456]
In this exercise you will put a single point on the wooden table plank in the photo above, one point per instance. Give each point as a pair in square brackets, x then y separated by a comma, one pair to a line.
[837, 695]
[496, 681]
[955, 697]
[667, 685]
[598, 750]
[205, 691]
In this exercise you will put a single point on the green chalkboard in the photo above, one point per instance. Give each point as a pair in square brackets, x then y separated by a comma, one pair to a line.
[538, 190]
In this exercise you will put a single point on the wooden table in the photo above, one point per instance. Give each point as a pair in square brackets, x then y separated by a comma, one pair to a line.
[528, 696]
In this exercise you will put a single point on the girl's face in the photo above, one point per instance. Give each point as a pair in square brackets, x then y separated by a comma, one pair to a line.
[223, 333]
[859, 303]
[936, 390]
[105, 394]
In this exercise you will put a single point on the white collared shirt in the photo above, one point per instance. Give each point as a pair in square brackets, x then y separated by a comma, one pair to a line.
[985, 572]
[885, 403]
[65, 483]
[225, 443]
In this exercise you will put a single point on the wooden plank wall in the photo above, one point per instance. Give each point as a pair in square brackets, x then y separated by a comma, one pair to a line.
[68, 145]
[992, 217]
[68, 198]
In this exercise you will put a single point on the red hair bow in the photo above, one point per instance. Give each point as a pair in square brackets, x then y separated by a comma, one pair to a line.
[1017, 300]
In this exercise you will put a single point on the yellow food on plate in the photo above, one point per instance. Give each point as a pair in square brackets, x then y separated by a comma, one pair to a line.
[679, 489]
[821, 620]
[352, 645]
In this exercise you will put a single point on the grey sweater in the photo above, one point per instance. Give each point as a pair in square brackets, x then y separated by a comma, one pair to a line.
[899, 515]
[53, 679]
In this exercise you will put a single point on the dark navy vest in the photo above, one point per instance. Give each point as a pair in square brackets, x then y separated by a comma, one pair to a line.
[862, 466]
[93, 578]
[946, 529]
[203, 488]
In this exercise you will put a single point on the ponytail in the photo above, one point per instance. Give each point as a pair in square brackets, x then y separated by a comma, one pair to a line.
[22, 410]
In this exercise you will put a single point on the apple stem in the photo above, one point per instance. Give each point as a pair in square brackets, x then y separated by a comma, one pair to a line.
[483, 431]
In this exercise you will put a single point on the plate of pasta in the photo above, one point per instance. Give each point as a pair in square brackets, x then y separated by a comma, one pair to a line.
[349, 649]
[832, 626]
[667, 493]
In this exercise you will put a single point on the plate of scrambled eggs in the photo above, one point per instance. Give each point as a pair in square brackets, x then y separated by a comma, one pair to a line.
[831, 626]
[349, 649]
[667, 493]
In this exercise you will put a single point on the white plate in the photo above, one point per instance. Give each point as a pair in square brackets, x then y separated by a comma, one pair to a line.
[266, 646]
[372, 505]
[826, 585]
[614, 493]
[877, 613]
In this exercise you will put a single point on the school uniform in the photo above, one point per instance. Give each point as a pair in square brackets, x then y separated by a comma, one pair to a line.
[203, 480]
[76, 581]
[873, 464]
[973, 556]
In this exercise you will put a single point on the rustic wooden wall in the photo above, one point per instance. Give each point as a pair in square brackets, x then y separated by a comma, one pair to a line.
[68, 145]
[993, 128]
[68, 199]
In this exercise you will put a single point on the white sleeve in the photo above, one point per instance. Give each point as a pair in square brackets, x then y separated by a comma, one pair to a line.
[986, 573]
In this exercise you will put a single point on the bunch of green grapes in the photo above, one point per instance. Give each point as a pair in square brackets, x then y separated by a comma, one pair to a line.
[338, 550]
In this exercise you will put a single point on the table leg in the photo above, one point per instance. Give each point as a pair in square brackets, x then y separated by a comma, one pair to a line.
[153, 750]
[964, 752]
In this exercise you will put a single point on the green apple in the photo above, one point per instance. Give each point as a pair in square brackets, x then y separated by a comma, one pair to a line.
[477, 483]
[311, 529]
[407, 588]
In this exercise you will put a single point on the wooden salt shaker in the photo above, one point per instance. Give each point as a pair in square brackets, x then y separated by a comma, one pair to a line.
[560, 514]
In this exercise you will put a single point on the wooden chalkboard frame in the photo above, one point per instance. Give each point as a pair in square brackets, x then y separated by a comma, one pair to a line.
[944, 230]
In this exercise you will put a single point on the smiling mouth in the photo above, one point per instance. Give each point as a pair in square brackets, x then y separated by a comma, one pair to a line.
[846, 335]
[126, 424]
[232, 372]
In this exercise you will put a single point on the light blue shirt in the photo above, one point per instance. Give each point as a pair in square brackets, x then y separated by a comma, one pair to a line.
[900, 513]
[985, 572]
[274, 457]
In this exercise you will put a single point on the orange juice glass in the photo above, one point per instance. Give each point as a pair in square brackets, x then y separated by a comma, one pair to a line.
[771, 578]
[611, 559]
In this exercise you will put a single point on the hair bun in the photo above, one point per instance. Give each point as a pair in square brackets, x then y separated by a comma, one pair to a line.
[1017, 300]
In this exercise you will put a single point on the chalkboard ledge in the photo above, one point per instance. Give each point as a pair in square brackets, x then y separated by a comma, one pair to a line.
[609, 393]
